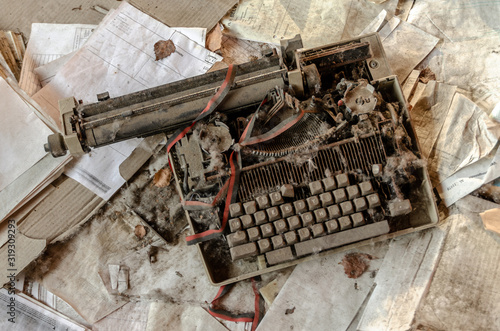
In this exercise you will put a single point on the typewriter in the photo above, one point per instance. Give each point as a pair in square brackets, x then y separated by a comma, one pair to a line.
[312, 151]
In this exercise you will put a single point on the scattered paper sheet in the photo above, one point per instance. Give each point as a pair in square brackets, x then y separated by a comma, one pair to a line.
[429, 113]
[47, 71]
[119, 58]
[30, 315]
[465, 290]
[469, 30]
[168, 316]
[197, 13]
[491, 220]
[22, 134]
[131, 317]
[318, 22]
[375, 25]
[469, 178]
[47, 43]
[405, 46]
[321, 295]
[467, 135]
[402, 281]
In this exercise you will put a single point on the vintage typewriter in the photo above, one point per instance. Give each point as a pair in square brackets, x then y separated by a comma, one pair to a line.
[312, 151]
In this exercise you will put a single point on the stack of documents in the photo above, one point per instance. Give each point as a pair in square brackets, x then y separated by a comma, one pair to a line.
[116, 57]
[11, 54]
[25, 168]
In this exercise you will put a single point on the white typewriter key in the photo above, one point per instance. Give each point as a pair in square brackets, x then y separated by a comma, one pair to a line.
[276, 198]
[352, 192]
[339, 195]
[316, 187]
[234, 224]
[250, 207]
[373, 200]
[304, 234]
[360, 204]
[278, 242]
[332, 226]
[326, 199]
[329, 184]
[294, 222]
[345, 223]
[313, 202]
[307, 219]
[260, 217]
[366, 188]
[267, 230]
[273, 214]
[237, 238]
[264, 245]
[281, 226]
[247, 221]
[253, 234]
[318, 230]
[342, 180]
[287, 191]
[357, 219]
[287, 210]
[320, 215]
[334, 211]
[300, 206]
[347, 208]
[240, 252]
[236, 209]
[291, 238]
[263, 202]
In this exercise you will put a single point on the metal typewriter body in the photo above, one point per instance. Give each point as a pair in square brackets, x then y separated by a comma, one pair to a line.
[334, 163]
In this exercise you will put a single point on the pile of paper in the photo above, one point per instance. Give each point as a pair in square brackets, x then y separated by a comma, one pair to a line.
[25, 168]
[115, 57]
[11, 54]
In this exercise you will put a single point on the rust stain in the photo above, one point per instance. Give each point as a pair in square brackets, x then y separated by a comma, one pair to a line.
[164, 48]
[355, 264]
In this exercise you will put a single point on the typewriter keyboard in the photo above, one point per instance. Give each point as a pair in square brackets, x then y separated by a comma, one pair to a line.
[284, 228]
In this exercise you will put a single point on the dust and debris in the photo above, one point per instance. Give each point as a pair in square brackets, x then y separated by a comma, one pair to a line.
[355, 264]
[290, 311]
[177, 273]
[163, 48]
[140, 231]
[163, 177]
[426, 75]
[77, 8]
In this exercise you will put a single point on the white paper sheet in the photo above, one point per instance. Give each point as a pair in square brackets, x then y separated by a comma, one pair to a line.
[318, 22]
[47, 43]
[321, 295]
[429, 113]
[119, 58]
[469, 54]
[46, 72]
[22, 134]
[467, 136]
[30, 315]
[405, 46]
[469, 179]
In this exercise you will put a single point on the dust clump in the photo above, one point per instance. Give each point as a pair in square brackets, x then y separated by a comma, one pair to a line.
[163, 48]
[355, 264]
[290, 311]
[427, 75]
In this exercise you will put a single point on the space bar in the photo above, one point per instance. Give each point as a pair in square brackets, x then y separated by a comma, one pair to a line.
[341, 238]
